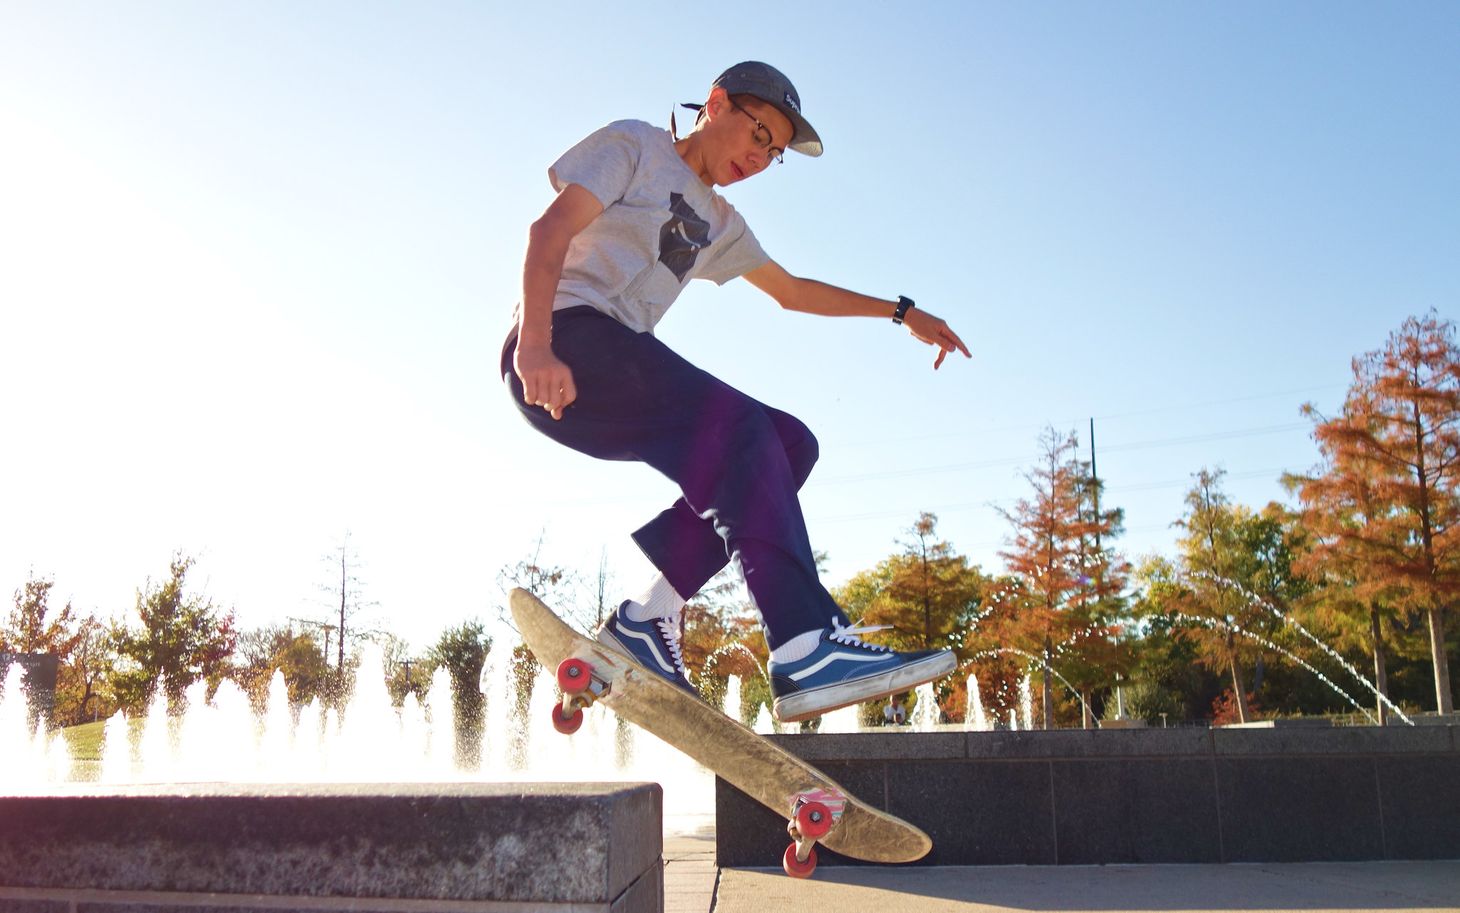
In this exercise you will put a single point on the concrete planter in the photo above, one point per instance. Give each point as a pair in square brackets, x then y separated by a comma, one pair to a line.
[473, 848]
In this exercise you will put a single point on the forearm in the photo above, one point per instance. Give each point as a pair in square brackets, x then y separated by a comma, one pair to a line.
[541, 271]
[813, 297]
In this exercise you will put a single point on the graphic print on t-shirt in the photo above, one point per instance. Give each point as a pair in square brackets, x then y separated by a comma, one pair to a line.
[682, 236]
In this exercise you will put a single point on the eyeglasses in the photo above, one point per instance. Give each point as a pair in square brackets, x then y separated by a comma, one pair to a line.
[762, 136]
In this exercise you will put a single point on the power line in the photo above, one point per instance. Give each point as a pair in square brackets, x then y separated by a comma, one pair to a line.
[1213, 436]
[1157, 410]
[1149, 486]
[1224, 402]
[970, 505]
[1030, 458]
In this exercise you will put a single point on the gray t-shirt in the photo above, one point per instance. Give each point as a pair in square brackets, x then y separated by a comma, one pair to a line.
[660, 227]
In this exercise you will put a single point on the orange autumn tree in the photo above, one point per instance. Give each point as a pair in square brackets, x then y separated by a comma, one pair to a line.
[998, 644]
[722, 637]
[1352, 604]
[1068, 583]
[1399, 435]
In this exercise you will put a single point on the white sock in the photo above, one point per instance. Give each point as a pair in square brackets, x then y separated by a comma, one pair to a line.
[659, 601]
[798, 647]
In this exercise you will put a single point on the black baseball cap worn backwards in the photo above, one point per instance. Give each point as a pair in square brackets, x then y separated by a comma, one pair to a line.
[771, 86]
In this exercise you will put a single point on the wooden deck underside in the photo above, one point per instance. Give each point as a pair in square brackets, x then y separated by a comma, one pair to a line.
[770, 775]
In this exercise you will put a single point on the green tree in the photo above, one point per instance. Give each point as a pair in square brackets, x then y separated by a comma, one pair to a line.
[462, 651]
[180, 638]
[261, 652]
[404, 673]
[927, 594]
[83, 695]
[33, 628]
[1234, 568]
[1168, 670]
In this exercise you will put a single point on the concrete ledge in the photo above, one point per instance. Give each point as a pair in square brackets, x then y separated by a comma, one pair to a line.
[478, 847]
[1136, 796]
[1351, 740]
[867, 746]
[1091, 743]
[1296, 723]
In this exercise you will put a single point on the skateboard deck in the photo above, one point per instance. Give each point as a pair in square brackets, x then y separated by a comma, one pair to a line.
[820, 811]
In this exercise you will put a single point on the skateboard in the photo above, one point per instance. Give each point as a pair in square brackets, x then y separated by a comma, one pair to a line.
[818, 810]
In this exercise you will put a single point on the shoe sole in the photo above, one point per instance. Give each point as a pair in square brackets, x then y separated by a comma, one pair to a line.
[805, 705]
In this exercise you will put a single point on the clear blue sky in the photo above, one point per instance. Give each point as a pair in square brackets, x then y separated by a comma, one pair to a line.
[256, 261]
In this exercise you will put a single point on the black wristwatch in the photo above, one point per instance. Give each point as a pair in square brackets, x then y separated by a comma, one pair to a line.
[903, 305]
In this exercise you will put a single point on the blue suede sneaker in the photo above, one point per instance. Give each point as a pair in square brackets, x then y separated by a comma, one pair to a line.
[654, 644]
[843, 670]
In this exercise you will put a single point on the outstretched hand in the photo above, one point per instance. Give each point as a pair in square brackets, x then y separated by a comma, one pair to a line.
[932, 330]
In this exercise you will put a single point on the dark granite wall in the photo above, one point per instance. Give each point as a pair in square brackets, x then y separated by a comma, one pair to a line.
[1136, 795]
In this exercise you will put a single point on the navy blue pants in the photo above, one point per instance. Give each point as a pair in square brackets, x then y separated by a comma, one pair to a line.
[738, 463]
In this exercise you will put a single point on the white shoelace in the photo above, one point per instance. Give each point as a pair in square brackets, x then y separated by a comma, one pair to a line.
[851, 635]
[669, 633]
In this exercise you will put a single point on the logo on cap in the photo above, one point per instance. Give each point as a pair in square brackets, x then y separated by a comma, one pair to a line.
[791, 103]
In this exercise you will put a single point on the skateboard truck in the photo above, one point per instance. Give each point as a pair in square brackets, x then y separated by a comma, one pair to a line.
[812, 816]
[580, 690]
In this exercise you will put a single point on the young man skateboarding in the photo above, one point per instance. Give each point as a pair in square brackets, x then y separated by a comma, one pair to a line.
[635, 218]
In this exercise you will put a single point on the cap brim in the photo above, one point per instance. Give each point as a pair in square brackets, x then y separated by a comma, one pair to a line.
[807, 140]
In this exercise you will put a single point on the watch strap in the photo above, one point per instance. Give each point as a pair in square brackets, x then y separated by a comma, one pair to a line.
[904, 304]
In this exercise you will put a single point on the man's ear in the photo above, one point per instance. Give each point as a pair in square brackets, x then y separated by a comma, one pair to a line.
[718, 103]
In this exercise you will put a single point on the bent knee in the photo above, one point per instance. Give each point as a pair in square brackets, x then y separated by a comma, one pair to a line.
[802, 451]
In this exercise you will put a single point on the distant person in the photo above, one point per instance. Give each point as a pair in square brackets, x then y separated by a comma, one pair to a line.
[635, 218]
[895, 713]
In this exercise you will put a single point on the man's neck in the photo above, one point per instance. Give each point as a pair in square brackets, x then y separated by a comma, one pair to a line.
[693, 154]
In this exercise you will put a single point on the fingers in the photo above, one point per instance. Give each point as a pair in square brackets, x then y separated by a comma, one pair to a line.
[957, 343]
[945, 339]
[552, 389]
[941, 343]
[561, 399]
[537, 389]
[948, 341]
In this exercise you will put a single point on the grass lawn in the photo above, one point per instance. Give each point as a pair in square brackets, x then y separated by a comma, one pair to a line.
[85, 744]
[85, 740]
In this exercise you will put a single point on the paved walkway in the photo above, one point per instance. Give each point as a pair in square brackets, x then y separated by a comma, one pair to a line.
[693, 884]
[690, 874]
[1368, 886]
